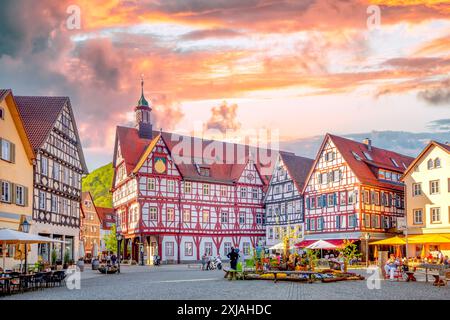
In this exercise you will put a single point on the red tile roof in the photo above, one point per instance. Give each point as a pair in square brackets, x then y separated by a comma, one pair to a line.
[444, 146]
[39, 114]
[298, 167]
[133, 147]
[106, 215]
[365, 169]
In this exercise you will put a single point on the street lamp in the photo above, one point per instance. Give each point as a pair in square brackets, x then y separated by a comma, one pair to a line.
[367, 237]
[25, 227]
[119, 240]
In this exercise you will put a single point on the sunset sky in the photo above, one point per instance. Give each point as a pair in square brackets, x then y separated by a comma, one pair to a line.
[303, 67]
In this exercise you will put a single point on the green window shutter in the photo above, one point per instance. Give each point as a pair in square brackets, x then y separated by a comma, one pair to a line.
[12, 152]
[25, 194]
[12, 188]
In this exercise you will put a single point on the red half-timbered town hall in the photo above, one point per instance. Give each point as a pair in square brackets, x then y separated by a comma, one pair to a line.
[180, 197]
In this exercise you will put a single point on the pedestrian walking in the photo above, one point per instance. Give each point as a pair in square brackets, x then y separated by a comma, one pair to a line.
[233, 256]
[204, 261]
[208, 262]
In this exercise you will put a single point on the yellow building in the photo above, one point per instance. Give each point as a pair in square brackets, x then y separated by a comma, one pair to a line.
[427, 182]
[16, 169]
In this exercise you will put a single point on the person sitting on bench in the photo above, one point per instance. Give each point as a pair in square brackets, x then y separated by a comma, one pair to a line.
[391, 266]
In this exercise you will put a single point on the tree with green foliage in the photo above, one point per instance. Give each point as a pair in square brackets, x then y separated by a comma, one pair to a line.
[111, 240]
[98, 183]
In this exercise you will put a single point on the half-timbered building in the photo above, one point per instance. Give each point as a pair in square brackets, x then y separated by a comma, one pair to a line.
[353, 190]
[284, 198]
[50, 126]
[179, 203]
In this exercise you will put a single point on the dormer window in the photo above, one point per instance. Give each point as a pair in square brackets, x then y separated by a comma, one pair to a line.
[395, 163]
[368, 157]
[206, 172]
[357, 157]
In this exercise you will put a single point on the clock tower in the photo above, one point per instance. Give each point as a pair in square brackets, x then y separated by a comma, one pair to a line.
[143, 116]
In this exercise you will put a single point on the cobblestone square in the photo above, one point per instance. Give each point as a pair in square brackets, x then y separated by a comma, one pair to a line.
[181, 282]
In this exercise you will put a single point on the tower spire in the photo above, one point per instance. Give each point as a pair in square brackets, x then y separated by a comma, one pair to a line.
[142, 101]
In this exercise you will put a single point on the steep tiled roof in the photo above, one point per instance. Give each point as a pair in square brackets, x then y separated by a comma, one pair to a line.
[106, 215]
[444, 146]
[365, 169]
[134, 148]
[298, 167]
[39, 114]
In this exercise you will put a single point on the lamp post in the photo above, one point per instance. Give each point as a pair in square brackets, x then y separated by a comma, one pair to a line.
[25, 226]
[367, 237]
[119, 240]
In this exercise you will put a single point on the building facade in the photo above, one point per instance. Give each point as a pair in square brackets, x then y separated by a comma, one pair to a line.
[354, 191]
[90, 226]
[107, 221]
[183, 208]
[427, 187]
[16, 171]
[284, 198]
[51, 128]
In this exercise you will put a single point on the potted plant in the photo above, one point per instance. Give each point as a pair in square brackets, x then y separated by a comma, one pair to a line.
[80, 264]
[350, 252]
[54, 257]
[66, 259]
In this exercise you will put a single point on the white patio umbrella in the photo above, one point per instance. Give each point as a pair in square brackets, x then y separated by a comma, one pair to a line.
[81, 250]
[321, 244]
[8, 236]
[95, 250]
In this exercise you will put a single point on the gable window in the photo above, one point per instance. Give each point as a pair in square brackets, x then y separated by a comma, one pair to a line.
[223, 191]
[151, 184]
[6, 191]
[2, 114]
[243, 192]
[255, 193]
[187, 187]
[153, 214]
[170, 186]
[430, 164]
[351, 197]
[416, 189]
[186, 215]
[434, 187]
[418, 216]
[342, 198]
[329, 156]
[437, 163]
[435, 215]
[324, 178]
[170, 214]
[336, 175]
[7, 150]
[205, 189]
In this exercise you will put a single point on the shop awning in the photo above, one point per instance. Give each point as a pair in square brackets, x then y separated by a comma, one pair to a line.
[304, 243]
[394, 241]
[429, 238]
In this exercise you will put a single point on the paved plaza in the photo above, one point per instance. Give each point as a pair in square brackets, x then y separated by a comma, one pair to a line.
[182, 282]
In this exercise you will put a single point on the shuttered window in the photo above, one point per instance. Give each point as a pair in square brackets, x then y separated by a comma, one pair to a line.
[5, 191]
[7, 150]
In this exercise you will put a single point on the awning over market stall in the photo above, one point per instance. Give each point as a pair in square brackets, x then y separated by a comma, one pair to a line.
[394, 241]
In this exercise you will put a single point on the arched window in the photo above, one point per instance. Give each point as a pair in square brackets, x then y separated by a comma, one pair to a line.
[437, 163]
[430, 164]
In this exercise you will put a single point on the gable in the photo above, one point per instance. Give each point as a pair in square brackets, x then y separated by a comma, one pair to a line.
[250, 175]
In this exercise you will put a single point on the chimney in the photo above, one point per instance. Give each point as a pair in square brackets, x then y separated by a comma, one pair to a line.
[368, 143]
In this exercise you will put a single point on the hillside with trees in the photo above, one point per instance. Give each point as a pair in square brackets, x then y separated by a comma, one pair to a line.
[98, 183]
